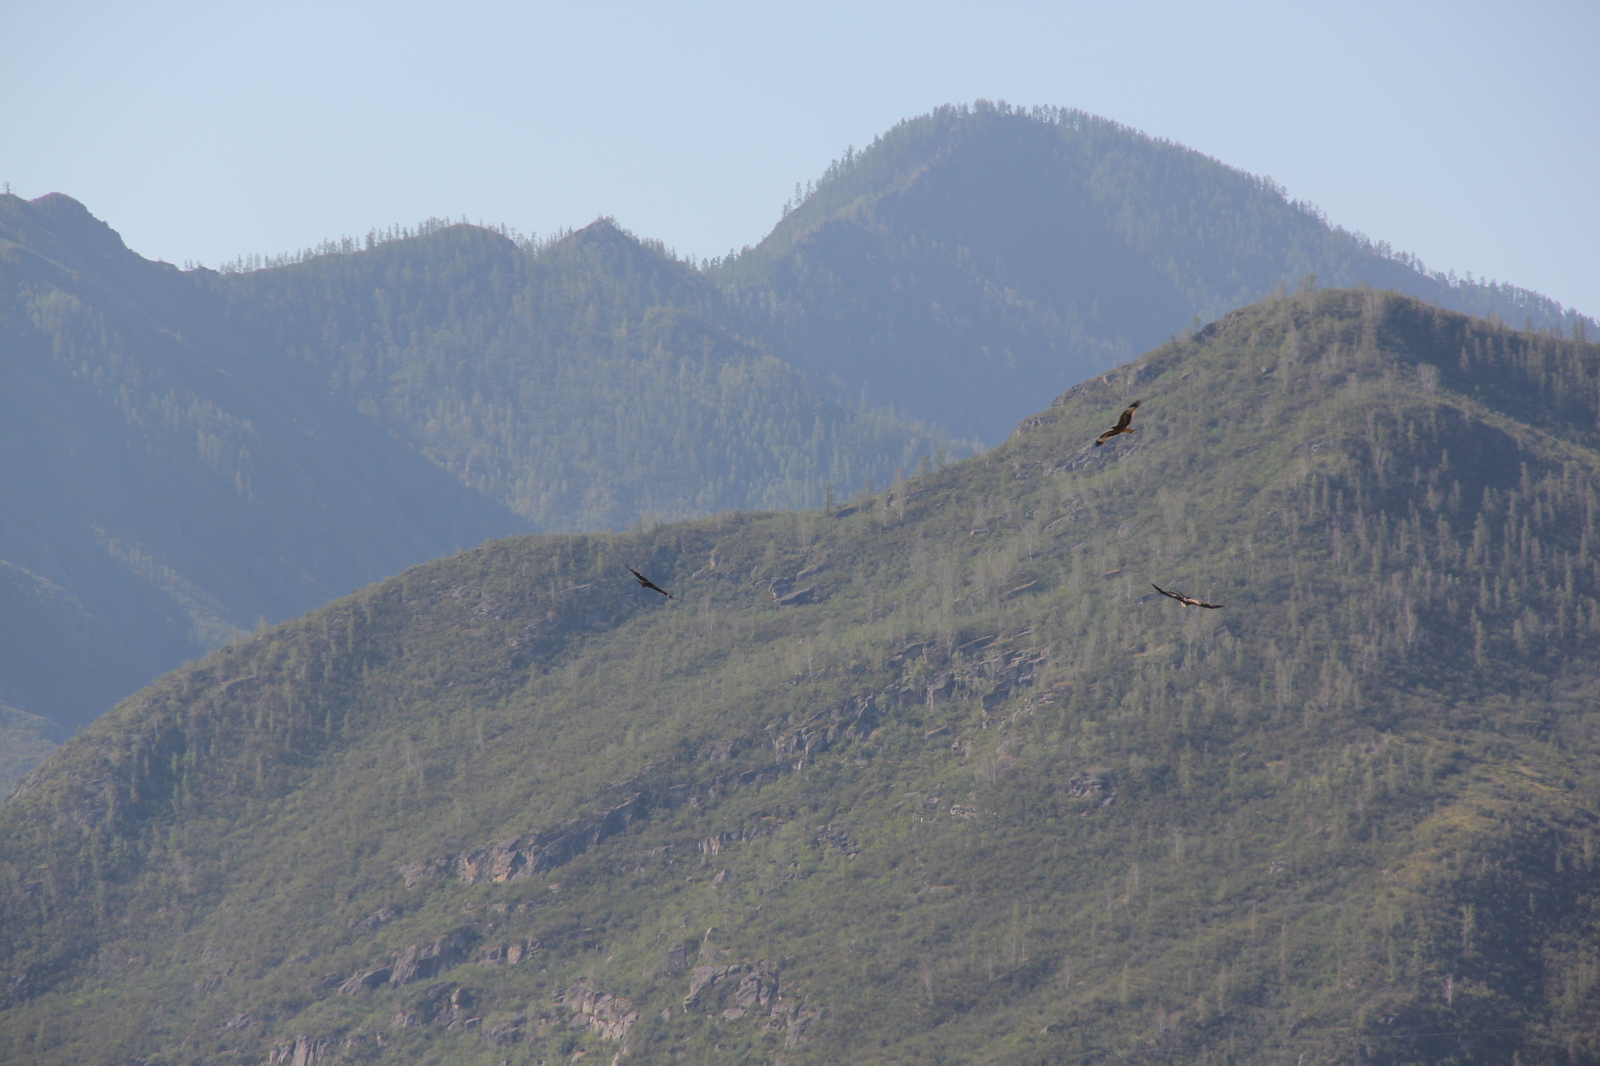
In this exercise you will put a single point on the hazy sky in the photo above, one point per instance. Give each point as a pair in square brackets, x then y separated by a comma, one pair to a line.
[1465, 133]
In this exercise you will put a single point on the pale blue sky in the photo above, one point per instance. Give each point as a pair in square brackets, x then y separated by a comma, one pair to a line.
[1465, 133]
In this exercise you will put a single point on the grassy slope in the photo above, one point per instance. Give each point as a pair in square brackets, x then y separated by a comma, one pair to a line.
[1354, 809]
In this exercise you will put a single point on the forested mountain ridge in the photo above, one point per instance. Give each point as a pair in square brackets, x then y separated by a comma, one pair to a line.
[584, 383]
[191, 453]
[968, 259]
[162, 489]
[932, 777]
[972, 254]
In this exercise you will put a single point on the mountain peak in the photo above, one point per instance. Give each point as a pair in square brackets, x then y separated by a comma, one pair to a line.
[973, 250]
[60, 228]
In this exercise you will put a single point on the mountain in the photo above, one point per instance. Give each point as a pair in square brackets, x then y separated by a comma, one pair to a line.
[584, 383]
[190, 453]
[974, 253]
[164, 487]
[932, 776]
[200, 452]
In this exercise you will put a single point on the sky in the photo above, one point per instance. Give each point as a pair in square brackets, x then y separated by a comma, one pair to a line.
[1465, 133]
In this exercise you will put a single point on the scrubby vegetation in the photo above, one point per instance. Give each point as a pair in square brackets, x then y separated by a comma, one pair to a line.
[932, 775]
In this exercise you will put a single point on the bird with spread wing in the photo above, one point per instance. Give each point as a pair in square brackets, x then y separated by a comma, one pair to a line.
[1124, 425]
[647, 583]
[1187, 601]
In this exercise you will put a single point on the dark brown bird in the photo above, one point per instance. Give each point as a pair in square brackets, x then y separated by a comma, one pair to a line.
[1187, 601]
[647, 583]
[1122, 425]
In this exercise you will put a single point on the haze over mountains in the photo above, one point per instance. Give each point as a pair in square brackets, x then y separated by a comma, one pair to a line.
[202, 452]
[972, 256]
[932, 777]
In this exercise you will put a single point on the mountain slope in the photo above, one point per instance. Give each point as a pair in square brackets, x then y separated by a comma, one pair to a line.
[584, 384]
[972, 254]
[163, 489]
[190, 454]
[934, 777]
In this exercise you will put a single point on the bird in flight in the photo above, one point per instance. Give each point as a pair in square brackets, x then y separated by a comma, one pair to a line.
[647, 583]
[1122, 425]
[1187, 601]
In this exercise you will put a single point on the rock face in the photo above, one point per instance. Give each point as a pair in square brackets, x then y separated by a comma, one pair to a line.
[303, 1051]
[365, 981]
[508, 954]
[416, 963]
[732, 991]
[601, 1013]
[714, 987]
[525, 856]
[445, 1003]
[376, 918]
[786, 595]
[422, 961]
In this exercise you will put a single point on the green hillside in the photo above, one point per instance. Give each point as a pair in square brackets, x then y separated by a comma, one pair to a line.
[933, 776]
[189, 455]
[971, 256]
[193, 453]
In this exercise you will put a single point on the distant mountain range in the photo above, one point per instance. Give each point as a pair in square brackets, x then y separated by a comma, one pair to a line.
[191, 454]
[975, 255]
[931, 776]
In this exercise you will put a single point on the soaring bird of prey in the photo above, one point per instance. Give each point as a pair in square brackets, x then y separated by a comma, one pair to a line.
[647, 583]
[1122, 425]
[1187, 601]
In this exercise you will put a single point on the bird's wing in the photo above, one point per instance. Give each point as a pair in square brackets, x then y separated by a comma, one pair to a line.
[1127, 417]
[1212, 606]
[1164, 592]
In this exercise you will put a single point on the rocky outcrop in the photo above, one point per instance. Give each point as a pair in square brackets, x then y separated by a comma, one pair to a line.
[731, 991]
[798, 597]
[365, 981]
[445, 1003]
[607, 1016]
[1093, 789]
[791, 1019]
[736, 990]
[786, 594]
[301, 1051]
[422, 961]
[418, 962]
[507, 860]
[1006, 671]
[376, 918]
[508, 954]
[525, 856]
